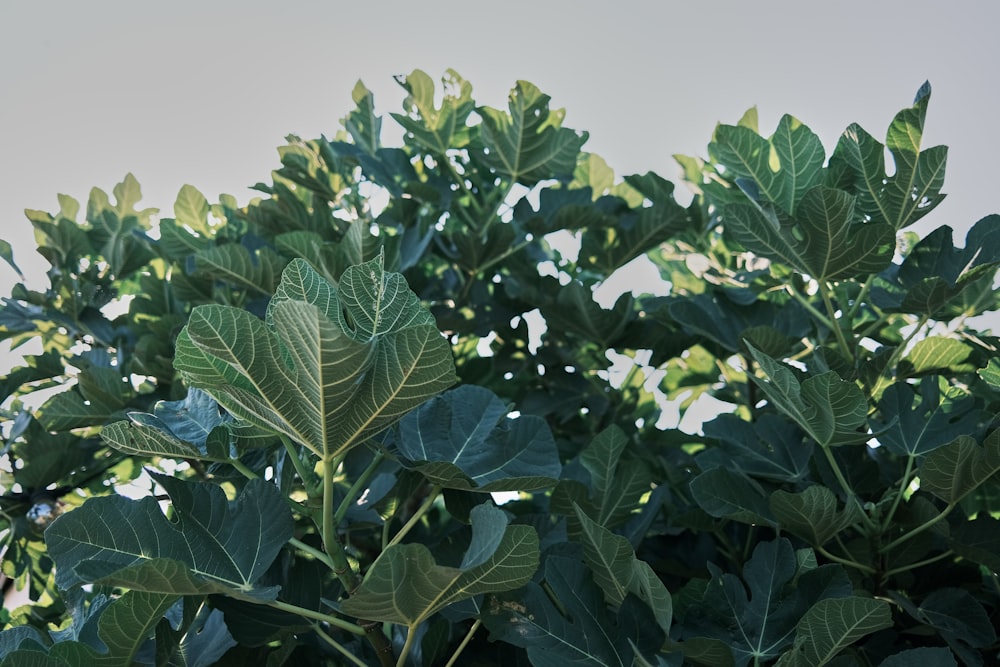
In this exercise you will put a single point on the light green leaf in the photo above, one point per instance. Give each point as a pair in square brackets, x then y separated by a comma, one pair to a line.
[833, 624]
[436, 129]
[362, 123]
[991, 374]
[811, 514]
[7, 254]
[464, 439]
[191, 211]
[935, 353]
[954, 470]
[214, 547]
[618, 572]
[783, 167]
[528, 144]
[405, 585]
[829, 409]
[329, 384]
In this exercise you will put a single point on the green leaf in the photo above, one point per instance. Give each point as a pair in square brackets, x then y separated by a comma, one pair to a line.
[979, 541]
[258, 270]
[924, 656]
[436, 129]
[464, 439]
[608, 247]
[955, 614]
[731, 495]
[783, 167]
[618, 484]
[191, 211]
[954, 470]
[214, 547]
[528, 144]
[914, 188]
[758, 620]
[769, 448]
[618, 572]
[715, 315]
[825, 240]
[832, 625]
[362, 123]
[812, 514]
[912, 421]
[7, 254]
[329, 369]
[991, 373]
[829, 409]
[405, 585]
[574, 310]
[943, 282]
[935, 353]
[578, 630]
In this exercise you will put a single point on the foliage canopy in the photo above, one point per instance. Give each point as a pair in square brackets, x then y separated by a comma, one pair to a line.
[318, 395]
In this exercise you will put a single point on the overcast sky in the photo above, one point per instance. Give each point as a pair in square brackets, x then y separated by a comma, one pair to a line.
[202, 92]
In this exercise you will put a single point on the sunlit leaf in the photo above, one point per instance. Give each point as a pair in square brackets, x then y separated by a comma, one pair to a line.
[527, 143]
[433, 128]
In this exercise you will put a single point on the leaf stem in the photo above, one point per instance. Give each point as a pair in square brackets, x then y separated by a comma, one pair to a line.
[823, 319]
[359, 485]
[465, 642]
[317, 616]
[242, 468]
[407, 645]
[307, 476]
[845, 561]
[329, 529]
[824, 292]
[417, 516]
[839, 474]
[919, 529]
[904, 483]
[312, 551]
[926, 561]
[338, 646]
[856, 306]
[887, 373]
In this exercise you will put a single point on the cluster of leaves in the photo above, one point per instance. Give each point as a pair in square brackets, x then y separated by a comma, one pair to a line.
[318, 398]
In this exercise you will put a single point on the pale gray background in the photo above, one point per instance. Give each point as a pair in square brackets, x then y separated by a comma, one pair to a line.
[202, 92]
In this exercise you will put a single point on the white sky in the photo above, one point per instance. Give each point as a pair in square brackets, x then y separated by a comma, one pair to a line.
[202, 92]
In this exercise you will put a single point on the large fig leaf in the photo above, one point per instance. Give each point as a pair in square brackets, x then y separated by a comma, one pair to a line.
[824, 406]
[578, 630]
[527, 143]
[436, 129]
[758, 620]
[329, 368]
[833, 624]
[464, 439]
[214, 546]
[913, 189]
[952, 471]
[405, 585]
[783, 167]
[916, 420]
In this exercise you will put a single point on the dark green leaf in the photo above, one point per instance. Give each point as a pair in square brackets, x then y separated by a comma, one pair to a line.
[769, 448]
[829, 409]
[618, 484]
[580, 630]
[405, 585]
[914, 421]
[731, 495]
[832, 625]
[215, 547]
[464, 439]
[925, 657]
[812, 514]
